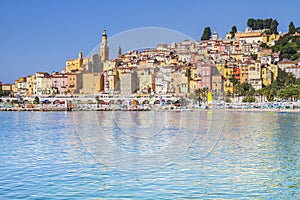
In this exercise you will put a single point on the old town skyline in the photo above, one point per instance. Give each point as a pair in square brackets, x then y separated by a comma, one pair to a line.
[53, 32]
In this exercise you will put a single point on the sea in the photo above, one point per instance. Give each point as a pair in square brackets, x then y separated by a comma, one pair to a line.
[205, 154]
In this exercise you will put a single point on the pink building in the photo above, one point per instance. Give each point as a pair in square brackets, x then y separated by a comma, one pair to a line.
[59, 83]
[207, 71]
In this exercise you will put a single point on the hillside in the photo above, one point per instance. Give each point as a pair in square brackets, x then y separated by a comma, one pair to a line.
[289, 46]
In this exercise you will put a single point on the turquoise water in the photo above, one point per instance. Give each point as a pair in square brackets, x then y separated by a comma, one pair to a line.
[149, 155]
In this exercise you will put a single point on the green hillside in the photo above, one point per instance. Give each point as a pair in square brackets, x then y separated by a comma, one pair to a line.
[289, 46]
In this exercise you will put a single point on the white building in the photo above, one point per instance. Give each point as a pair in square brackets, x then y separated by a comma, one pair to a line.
[295, 70]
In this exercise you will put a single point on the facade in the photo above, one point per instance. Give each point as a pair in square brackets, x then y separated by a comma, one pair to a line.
[93, 64]
[267, 76]
[21, 87]
[250, 36]
[91, 83]
[90, 64]
[217, 84]
[42, 84]
[7, 89]
[207, 71]
[270, 39]
[295, 70]
[59, 83]
[163, 80]
[284, 64]
[74, 64]
[180, 81]
[128, 83]
[255, 75]
[74, 83]
[113, 81]
[227, 75]
[30, 85]
[243, 72]
[146, 80]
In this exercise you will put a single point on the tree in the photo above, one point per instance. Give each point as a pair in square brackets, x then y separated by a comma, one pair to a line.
[36, 100]
[292, 28]
[97, 100]
[267, 23]
[201, 94]
[273, 27]
[198, 95]
[206, 34]
[234, 81]
[249, 99]
[250, 23]
[233, 31]
[259, 24]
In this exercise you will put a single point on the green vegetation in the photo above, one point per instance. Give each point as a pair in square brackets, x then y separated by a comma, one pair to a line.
[233, 31]
[260, 24]
[292, 28]
[36, 100]
[243, 89]
[201, 94]
[289, 47]
[206, 34]
[286, 87]
[248, 99]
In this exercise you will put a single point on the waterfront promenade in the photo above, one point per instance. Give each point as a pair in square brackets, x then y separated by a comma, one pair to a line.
[242, 107]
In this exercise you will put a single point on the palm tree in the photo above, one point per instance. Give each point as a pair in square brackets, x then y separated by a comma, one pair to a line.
[198, 95]
[201, 94]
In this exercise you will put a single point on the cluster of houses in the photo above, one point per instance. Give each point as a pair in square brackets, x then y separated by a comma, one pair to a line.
[176, 69]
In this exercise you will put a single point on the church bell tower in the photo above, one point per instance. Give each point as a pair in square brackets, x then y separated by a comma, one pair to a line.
[104, 49]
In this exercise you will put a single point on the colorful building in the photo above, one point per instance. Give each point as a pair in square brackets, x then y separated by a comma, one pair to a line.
[92, 83]
[74, 82]
[59, 83]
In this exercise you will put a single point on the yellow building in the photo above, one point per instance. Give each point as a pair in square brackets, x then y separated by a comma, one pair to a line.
[227, 74]
[75, 64]
[270, 39]
[249, 36]
[92, 83]
[195, 81]
[113, 80]
[237, 56]
[221, 67]
[267, 76]
[7, 89]
[243, 73]
[74, 82]
[30, 85]
[274, 69]
[248, 33]
[228, 86]
[20, 87]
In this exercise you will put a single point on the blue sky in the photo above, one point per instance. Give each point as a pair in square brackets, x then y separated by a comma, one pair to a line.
[40, 35]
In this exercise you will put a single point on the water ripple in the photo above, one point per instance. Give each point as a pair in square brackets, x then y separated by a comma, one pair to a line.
[87, 155]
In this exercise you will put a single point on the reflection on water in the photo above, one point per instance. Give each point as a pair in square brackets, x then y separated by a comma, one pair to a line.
[168, 155]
